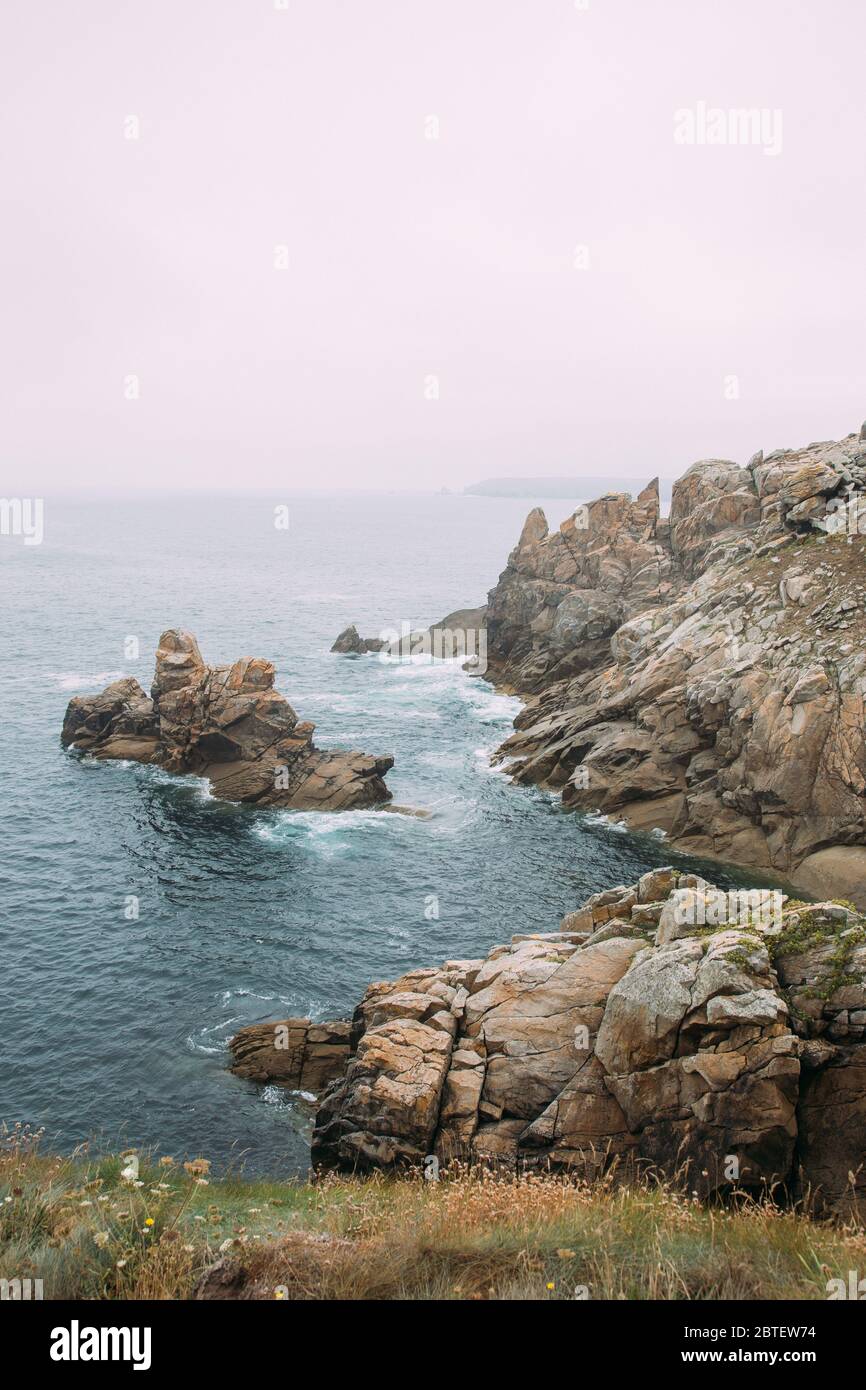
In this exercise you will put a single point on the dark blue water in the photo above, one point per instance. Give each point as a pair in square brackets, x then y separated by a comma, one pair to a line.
[114, 1030]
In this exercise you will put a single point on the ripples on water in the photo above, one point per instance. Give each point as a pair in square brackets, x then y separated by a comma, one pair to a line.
[116, 1029]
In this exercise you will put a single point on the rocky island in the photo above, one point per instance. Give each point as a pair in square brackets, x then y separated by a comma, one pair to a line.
[226, 723]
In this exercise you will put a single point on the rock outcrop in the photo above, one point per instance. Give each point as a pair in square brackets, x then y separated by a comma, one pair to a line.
[226, 723]
[351, 643]
[292, 1052]
[703, 674]
[666, 1025]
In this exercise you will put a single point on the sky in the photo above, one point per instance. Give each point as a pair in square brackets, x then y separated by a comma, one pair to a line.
[407, 244]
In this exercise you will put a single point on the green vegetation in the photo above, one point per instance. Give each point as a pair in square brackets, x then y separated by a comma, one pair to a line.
[810, 932]
[89, 1232]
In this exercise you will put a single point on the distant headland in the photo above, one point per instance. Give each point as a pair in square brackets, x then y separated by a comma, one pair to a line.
[589, 485]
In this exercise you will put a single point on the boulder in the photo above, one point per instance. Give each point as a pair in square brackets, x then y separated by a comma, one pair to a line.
[292, 1052]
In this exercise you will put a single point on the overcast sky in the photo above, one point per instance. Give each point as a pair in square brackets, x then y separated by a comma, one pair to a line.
[554, 285]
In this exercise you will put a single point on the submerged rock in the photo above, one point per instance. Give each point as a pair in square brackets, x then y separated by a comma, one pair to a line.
[226, 723]
[708, 1056]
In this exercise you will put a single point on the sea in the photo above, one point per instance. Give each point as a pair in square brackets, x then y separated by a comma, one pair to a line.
[142, 921]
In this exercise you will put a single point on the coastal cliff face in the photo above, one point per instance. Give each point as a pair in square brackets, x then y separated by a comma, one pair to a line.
[704, 673]
[226, 723]
[666, 1025]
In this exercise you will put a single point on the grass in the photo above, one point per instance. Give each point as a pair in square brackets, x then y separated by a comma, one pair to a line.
[90, 1233]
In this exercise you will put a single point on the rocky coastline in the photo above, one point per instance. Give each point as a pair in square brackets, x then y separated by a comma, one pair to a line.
[703, 674]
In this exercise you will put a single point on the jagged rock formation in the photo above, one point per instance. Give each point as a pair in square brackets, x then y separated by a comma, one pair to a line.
[226, 723]
[704, 674]
[292, 1052]
[666, 1024]
[351, 643]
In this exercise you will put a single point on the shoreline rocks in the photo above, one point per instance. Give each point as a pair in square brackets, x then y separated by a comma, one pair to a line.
[292, 1052]
[667, 1026]
[703, 674]
[226, 723]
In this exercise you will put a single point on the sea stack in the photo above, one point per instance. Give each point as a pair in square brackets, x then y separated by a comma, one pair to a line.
[226, 723]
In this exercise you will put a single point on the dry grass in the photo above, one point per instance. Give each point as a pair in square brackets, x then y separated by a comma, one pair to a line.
[88, 1232]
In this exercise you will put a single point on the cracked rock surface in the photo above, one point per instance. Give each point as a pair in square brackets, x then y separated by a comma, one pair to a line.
[734, 1050]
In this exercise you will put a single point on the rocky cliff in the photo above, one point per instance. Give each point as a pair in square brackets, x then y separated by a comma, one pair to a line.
[226, 723]
[703, 673]
[667, 1025]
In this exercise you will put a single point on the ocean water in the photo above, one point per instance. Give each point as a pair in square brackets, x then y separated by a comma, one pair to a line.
[113, 1031]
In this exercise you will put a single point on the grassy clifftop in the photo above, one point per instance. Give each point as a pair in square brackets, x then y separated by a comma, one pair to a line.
[88, 1232]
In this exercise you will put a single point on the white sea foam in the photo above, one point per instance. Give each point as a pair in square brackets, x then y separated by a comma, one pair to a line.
[317, 825]
[331, 700]
[275, 1095]
[72, 680]
[490, 769]
[605, 822]
[282, 1098]
[440, 759]
[296, 1006]
[204, 1048]
[452, 814]
[490, 706]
